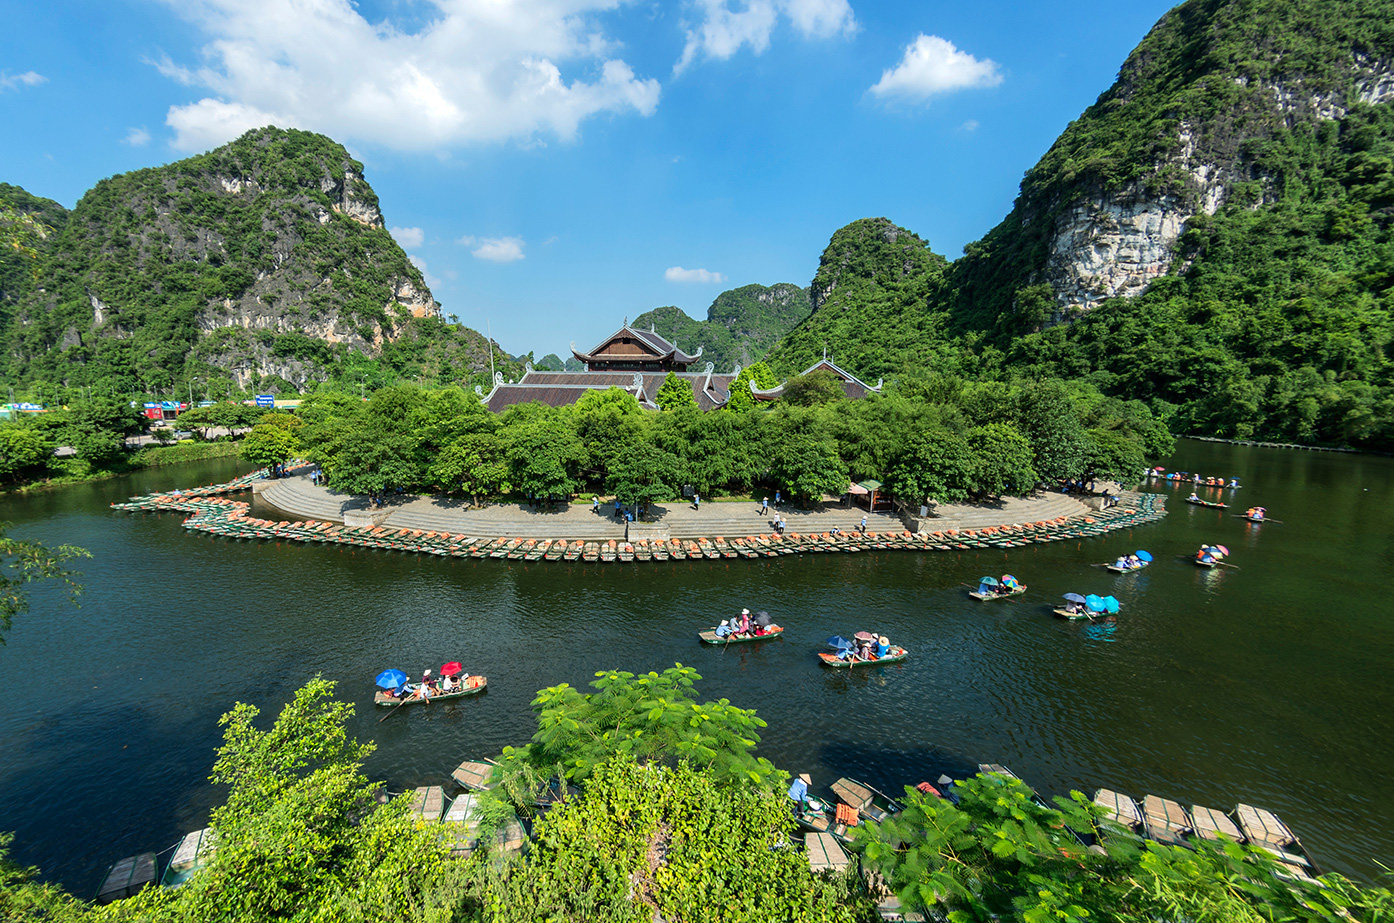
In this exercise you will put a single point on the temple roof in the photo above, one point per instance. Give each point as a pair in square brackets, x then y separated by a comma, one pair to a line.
[852, 386]
[653, 345]
[561, 389]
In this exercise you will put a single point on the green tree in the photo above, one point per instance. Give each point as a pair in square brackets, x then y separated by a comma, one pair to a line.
[724, 855]
[762, 377]
[811, 467]
[301, 835]
[936, 465]
[653, 717]
[476, 463]
[25, 562]
[24, 898]
[646, 474]
[543, 460]
[269, 444]
[25, 451]
[1046, 415]
[674, 393]
[1114, 454]
[1002, 460]
[820, 387]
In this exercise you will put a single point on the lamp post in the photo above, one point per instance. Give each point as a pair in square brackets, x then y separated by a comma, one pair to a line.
[191, 389]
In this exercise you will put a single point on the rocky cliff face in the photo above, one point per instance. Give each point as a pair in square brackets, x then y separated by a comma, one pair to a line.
[1114, 243]
[262, 259]
[1181, 133]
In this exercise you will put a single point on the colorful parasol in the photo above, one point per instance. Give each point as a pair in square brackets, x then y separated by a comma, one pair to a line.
[451, 668]
[390, 679]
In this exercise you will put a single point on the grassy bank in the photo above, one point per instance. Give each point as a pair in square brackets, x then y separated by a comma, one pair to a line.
[78, 470]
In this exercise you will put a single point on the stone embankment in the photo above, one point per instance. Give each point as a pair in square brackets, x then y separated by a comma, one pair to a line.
[211, 511]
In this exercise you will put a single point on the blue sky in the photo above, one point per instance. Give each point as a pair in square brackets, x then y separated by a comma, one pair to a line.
[556, 165]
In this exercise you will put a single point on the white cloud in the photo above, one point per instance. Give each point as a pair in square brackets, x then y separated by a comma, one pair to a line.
[970, 125]
[724, 31]
[14, 81]
[137, 137]
[494, 249]
[409, 238]
[478, 71]
[419, 263]
[678, 274]
[932, 65]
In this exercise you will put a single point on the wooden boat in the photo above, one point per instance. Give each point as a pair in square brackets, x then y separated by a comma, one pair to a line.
[824, 853]
[894, 655]
[1215, 504]
[1263, 829]
[473, 685]
[1126, 570]
[709, 636]
[592, 552]
[1165, 821]
[1203, 563]
[474, 775]
[1074, 614]
[127, 877]
[989, 596]
[463, 820]
[192, 852]
[1120, 809]
[872, 804]
[427, 804]
[1210, 824]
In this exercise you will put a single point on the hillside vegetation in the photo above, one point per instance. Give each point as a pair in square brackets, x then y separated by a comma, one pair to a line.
[263, 264]
[741, 325]
[1262, 131]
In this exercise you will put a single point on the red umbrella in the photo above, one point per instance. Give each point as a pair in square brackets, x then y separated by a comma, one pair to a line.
[451, 668]
[1222, 549]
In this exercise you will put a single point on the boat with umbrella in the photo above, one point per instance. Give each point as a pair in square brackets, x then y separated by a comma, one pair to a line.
[764, 629]
[845, 652]
[1128, 563]
[393, 688]
[1210, 555]
[992, 588]
[1087, 607]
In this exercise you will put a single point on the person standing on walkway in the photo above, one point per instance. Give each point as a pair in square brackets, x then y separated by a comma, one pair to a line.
[765, 507]
[617, 507]
[696, 501]
[776, 498]
[595, 506]
[863, 523]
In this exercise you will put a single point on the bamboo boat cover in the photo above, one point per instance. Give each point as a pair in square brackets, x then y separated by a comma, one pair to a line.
[1210, 824]
[474, 775]
[127, 877]
[1119, 807]
[852, 792]
[824, 853]
[428, 803]
[1165, 820]
[1263, 827]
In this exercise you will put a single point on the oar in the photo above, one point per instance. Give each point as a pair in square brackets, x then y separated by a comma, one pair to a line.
[399, 704]
[1223, 564]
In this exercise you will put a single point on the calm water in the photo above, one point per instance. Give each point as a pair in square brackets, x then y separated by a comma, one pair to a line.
[1269, 683]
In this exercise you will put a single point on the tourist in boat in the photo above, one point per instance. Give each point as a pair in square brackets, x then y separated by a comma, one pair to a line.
[447, 685]
[744, 626]
[1121, 563]
[724, 629]
[1134, 561]
[883, 646]
[1193, 496]
[1234, 482]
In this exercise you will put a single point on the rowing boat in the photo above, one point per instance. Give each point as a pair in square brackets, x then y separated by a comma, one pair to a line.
[1210, 503]
[893, 655]
[1125, 570]
[1263, 829]
[473, 685]
[1073, 614]
[710, 636]
[989, 596]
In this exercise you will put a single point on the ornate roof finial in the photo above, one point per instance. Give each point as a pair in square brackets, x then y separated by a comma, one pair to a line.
[498, 379]
[626, 320]
[638, 382]
[736, 370]
[698, 353]
[479, 390]
[527, 367]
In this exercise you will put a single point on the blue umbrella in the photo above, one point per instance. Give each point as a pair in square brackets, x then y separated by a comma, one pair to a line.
[1111, 604]
[1074, 597]
[390, 679]
[988, 581]
[1144, 556]
[1094, 603]
[840, 643]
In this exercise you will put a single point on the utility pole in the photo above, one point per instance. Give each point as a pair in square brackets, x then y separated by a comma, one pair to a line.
[490, 329]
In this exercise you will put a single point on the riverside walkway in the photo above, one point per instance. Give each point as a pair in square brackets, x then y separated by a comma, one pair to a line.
[297, 496]
[677, 532]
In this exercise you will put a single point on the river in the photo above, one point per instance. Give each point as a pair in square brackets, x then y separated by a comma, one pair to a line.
[1267, 683]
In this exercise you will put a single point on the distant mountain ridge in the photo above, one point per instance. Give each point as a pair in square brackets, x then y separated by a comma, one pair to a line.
[265, 260]
[741, 326]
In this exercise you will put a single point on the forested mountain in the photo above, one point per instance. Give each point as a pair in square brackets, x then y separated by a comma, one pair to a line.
[43, 220]
[264, 264]
[741, 325]
[1213, 235]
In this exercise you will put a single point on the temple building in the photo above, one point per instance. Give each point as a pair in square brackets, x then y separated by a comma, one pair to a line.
[852, 386]
[638, 362]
